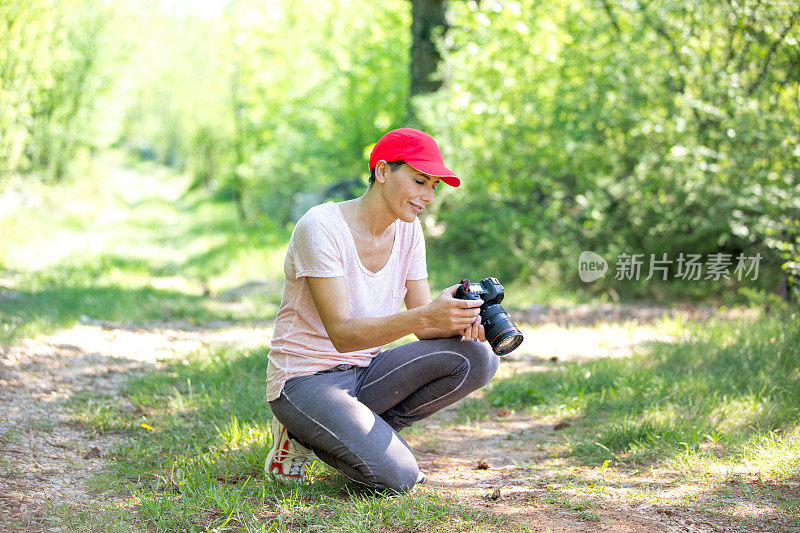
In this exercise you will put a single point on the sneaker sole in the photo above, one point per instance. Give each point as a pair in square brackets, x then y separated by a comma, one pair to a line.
[274, 425]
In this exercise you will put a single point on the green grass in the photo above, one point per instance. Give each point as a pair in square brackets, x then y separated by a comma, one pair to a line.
[733, 384]
[130, 248]
[583, 508]
[198, 440]
[199, 433]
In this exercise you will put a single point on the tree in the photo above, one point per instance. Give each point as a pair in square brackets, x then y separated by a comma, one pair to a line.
[52, 71]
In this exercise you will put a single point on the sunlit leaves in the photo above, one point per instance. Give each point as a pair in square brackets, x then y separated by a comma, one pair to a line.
[51, 70]
[617, 126]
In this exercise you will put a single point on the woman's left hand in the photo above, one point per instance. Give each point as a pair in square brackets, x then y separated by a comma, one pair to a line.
[475, 332]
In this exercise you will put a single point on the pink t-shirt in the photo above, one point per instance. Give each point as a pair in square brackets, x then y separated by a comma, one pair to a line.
[322, 246]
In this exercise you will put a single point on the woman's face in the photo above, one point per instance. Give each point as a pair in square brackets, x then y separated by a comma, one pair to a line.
[407, 191]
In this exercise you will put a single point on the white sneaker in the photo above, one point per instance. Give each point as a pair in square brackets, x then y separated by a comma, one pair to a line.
[288, 458]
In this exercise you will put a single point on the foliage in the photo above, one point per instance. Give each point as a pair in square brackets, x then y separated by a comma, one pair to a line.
[53, 65]
[310, 120]
[654, 127]
[174, 96]
[618, 126]
[287, 96]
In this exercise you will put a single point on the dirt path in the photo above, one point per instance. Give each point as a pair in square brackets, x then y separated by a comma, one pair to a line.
[46, 460]
[498, 466]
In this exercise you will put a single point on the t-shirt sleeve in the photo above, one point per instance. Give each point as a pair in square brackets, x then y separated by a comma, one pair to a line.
[418, 268]
[313, 250]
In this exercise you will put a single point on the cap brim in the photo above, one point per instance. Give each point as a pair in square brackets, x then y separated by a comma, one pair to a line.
[437, 170]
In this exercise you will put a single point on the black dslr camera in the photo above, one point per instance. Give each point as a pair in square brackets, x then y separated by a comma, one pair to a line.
[501, 332]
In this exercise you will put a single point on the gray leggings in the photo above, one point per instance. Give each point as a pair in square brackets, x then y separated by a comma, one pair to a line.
[350, 416]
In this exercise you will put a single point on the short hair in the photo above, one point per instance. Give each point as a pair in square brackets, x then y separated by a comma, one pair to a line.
[394, 165]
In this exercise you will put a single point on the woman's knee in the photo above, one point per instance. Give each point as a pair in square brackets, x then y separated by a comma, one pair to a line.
[397, 477]
[395, 470]
[483, 362]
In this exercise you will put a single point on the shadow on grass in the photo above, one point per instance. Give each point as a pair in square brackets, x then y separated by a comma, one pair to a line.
[118, 288]
[105, 289]
[47, 310]
[728, 503]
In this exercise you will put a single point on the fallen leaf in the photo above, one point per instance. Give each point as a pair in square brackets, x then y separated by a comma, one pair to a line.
[93, 452]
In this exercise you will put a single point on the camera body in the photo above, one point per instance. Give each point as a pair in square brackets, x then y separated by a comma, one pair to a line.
[489, 290]
[501, 332]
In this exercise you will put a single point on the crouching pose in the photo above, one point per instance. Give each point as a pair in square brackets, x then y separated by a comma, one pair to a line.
[349, 268]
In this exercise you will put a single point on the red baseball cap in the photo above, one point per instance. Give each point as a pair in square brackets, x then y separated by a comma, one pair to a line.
[416, 148]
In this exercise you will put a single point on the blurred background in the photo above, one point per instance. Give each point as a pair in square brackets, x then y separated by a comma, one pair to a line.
[617, 126]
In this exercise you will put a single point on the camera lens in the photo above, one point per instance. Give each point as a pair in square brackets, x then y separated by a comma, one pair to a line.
[501, 332]
[508, 343]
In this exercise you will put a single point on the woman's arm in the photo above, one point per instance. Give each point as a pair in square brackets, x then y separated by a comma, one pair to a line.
[419, 294]
[348, 334]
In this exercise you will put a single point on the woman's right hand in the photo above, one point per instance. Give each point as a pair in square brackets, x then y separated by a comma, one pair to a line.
[450, 313]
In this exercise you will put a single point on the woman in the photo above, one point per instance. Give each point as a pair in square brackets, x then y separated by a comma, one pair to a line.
[349, 268]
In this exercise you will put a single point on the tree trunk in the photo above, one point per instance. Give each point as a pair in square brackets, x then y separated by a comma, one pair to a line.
[428, 21]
